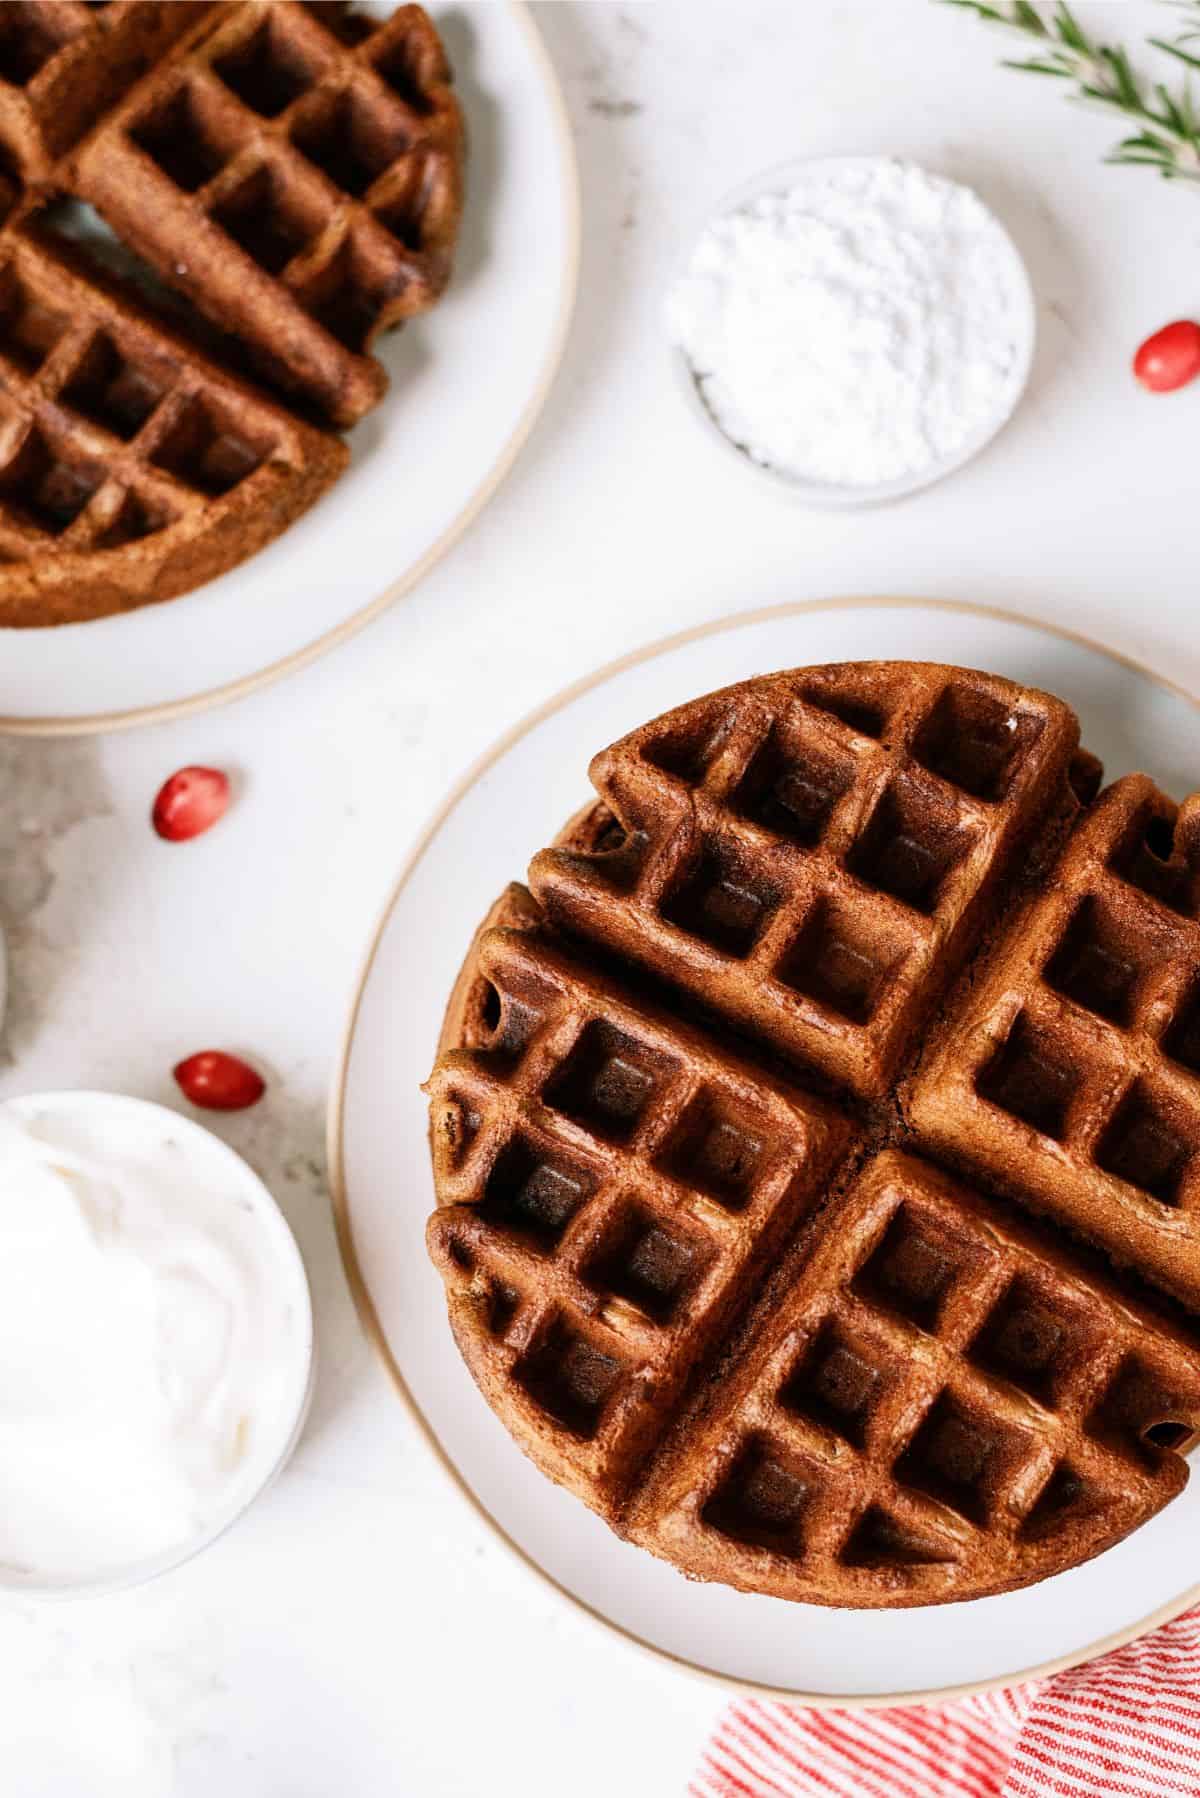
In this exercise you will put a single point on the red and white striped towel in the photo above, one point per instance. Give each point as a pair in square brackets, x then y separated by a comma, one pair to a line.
[1127, 1726]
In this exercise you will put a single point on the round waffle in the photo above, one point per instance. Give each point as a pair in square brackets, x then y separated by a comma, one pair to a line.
[294, 173]
[814, 1141]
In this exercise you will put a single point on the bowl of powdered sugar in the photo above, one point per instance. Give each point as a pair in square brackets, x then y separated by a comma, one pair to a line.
[852, 329]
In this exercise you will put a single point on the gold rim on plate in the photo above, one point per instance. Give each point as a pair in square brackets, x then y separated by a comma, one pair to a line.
[335, 1150]
[487, 489]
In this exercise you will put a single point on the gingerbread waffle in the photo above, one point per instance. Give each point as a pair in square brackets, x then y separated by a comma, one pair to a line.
[812, 854]
[131, 466]
[1071, 1074]
[610, 1179]
[63, 62]
[940, 1405]
[293, 171]
[296, 172]
[699, 1253]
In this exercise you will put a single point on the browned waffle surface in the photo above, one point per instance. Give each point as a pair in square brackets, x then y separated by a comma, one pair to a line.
[819, 930]
[63, 62]
[609, 1180]
[1071, 1073]
[131, 467]
[296, 172]
[811, 854]
[939, 1406]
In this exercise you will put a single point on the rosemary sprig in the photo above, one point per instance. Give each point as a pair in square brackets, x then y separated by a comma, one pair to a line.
[1168, 119]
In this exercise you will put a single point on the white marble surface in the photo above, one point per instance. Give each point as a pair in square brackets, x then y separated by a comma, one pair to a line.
[358, 1633]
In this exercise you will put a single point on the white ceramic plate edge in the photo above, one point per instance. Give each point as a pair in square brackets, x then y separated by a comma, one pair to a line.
[67, 726]
[368, 1317]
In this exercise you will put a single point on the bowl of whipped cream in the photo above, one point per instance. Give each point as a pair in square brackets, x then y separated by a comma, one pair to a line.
[852, 329]
[156, 1340]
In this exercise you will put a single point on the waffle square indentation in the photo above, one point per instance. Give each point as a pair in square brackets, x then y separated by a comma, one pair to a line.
[1066, 1494]
[1151, 1145]
[348, 294]
[688, 750]
[504, 1301]
[722, 901]
[717, 1147]
[398, 62]
[208, 449]
[915, 1267]
[844, 959]
[1149, 858]
[1035, 1339]
[270, 218]
[29, 329]
[762, 1499]
[608, 1081]
[411, 211]
[569, 1378]
[350, 140]
[653, 1266]
[836, 1384]
[114, 391]
[859, 711]
[268, 69]
[972, 741]
[534, 1192]
[350, 28]
[136, 517]
[42, 487]
[187, 136]
[959, 1458]
[910, 847]
[29, 36]
[791, 788]
[1032, 1078]
[879, 1540]
[1100, 962]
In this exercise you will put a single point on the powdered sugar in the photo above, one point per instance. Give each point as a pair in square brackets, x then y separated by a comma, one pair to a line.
[867, 324]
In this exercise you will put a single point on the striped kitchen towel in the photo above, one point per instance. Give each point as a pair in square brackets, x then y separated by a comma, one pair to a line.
[1126, 1726]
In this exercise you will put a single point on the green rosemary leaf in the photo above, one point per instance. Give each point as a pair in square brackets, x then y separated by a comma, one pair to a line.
[1033, 67]
[1171, 113]
[1027, 15]
[1177, 50]
[1104, 75]
[1069, 29]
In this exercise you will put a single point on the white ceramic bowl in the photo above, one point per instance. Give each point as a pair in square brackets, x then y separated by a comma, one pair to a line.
[826, 496]
[244, 1186]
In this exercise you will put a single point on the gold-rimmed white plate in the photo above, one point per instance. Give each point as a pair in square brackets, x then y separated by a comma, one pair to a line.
[423, 464]
[512, 802]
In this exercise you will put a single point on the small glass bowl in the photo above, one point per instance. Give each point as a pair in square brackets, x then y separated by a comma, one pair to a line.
[824, 495]
[292, 1419]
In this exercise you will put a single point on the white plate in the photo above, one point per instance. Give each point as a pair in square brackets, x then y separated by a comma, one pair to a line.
[514, 801]
[467, 383]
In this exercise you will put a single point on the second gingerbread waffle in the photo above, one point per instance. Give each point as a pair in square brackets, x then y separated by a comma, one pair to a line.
[699, 1251]
[294, 173]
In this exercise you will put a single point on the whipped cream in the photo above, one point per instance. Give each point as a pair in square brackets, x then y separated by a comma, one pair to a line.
[155, 1336]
